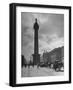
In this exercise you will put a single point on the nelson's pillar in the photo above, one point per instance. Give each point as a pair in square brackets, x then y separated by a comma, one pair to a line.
[36, 55]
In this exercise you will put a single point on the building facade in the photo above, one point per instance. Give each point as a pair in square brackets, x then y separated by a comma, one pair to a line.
[55, 54]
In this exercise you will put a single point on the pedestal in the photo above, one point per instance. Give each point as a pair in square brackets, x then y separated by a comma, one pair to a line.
[36, 59]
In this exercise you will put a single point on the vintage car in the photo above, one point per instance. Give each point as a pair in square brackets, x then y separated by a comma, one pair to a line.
[58, 66]
[43, 65]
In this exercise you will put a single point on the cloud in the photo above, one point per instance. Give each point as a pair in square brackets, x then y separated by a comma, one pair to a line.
[54, 24]
[51, 42]
[51, 32]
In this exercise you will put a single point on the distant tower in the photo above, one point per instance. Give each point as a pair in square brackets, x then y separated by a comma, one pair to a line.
[36, 55]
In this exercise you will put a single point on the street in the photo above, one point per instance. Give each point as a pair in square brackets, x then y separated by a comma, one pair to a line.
[41, 71]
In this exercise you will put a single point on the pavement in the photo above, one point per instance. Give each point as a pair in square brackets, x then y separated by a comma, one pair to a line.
[41, 71]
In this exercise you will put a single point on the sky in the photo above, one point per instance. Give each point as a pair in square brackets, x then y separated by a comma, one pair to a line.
[51, 32]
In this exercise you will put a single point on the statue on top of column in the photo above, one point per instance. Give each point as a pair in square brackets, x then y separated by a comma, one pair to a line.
[36, 26]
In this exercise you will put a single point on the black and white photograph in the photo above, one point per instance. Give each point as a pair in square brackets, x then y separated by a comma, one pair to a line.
[40, 40]
[42, 44]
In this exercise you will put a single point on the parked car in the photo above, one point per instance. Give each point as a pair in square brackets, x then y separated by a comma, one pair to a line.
[58, 66]
[43, 65]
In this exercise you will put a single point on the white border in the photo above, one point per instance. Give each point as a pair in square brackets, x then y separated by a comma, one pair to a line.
[24, 80]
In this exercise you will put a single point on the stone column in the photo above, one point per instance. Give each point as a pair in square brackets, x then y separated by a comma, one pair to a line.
[36, 55]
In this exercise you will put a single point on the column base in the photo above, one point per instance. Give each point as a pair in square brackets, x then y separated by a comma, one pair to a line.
[36, 59]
